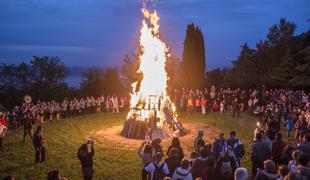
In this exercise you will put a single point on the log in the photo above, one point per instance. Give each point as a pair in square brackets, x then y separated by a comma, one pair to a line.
[134, 129]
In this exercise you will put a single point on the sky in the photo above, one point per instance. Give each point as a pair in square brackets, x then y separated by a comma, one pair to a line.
[101, 32]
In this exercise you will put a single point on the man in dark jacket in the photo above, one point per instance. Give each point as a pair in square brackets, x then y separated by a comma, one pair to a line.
[28, 126]
[236, 146]
[218, 145]
[306, 146]
[260, 153]
[200, 164]
[39, 145]
[86, 159]
[236, 108]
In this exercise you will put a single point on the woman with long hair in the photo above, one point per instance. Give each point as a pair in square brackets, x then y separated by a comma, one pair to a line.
[177, 145]
[145, 153]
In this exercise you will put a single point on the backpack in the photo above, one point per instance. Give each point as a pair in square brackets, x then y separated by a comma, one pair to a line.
[159, 172]
[182, 175]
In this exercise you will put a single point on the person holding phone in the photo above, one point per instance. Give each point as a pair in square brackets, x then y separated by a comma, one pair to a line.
[86, 159]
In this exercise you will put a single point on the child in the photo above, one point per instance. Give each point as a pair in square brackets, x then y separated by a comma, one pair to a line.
[290, 127]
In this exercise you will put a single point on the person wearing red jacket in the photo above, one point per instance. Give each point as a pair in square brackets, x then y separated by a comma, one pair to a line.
[278, 146]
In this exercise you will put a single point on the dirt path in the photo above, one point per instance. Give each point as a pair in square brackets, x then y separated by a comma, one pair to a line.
[110, 137]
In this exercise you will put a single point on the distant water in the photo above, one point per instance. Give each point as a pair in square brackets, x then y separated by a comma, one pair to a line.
[73, 80]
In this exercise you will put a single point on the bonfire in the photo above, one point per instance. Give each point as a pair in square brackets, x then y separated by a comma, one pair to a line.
[152, 113]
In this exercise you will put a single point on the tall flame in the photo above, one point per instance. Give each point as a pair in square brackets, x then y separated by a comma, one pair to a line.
[152, 66]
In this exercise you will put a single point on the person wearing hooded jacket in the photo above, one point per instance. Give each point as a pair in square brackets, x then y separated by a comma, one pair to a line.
[182, 172]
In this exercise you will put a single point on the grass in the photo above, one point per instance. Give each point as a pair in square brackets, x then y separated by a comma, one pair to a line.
[66, 136]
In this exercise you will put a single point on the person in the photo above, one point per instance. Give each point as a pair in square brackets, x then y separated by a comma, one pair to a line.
[3, 130]
[236, 146]
[292, 164]
[305, 147]
[286, 156]
[182, 172]
[266, 140]
[177, 145]
[28, 126]
[190, 104]
[203, 103]
[200, 163]
[269, 172]
[173, 161]
[290, 127]
[241, 174]
[158, 169]
[272, 129]
[199, 142]
[39, 145]
[146, 157]
[257, 130]
[282, 171]
[278, 146]
[303, 168]
[218, 145]
[226, 164]
[156, 146]
[209, 171]
[55, 175]
[260, 153]
[86, 159]
[236, 108]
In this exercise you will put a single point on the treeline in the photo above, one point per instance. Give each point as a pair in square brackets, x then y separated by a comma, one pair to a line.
[43, 79]
[282, 60]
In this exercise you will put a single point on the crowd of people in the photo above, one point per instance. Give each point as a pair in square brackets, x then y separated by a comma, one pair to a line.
[271, 156]
[43, 112]
[221, 160]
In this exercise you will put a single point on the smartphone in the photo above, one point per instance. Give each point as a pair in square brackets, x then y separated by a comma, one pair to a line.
[225, 148]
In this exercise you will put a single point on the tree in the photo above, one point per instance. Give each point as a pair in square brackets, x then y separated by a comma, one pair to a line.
[92, 82]
[244, 68]
[193, 62]
[173, 72]
[47, 75]
[42, 79]
[112, 82]
[96, 82]
[129, 71]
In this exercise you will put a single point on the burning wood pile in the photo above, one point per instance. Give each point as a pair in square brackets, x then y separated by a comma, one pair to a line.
[152, 114]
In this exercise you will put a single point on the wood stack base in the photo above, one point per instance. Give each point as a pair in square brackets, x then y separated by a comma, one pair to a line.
[134, 129]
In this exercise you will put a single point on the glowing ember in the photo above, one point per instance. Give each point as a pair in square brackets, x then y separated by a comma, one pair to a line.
[149, 98]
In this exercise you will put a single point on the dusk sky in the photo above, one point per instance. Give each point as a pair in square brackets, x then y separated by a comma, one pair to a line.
[101, 32]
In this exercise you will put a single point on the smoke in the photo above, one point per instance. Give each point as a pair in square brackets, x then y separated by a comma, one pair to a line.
[148, 4]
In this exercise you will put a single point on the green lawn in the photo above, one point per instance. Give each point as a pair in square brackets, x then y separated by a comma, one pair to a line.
[66, 136]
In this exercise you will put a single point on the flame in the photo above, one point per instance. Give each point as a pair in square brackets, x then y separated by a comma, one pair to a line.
[149, 95]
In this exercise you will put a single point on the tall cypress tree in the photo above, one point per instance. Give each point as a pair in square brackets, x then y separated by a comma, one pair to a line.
[193, 63]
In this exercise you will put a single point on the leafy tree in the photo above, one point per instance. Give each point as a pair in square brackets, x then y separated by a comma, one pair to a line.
[129, 71]
[92, 82]
[193, 62]
[42, 79]
[47, 75]
[112, 82]
[96, 82]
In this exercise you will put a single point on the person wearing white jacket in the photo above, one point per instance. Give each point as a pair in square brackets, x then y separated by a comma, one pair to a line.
[182, 172]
